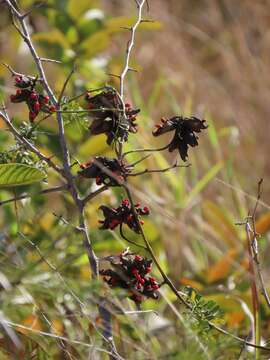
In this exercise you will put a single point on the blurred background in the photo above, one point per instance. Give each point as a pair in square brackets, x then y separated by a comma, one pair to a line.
[203, 58]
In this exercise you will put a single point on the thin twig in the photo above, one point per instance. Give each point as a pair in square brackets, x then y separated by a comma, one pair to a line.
[94, 194]
[50, 60]
[43, 192]
[147, 171]
[27, 143]
[131, 44]
[130, 241]
[15, 73]
[35, 6]
[144, 150]
[65, 85]
[255, 249]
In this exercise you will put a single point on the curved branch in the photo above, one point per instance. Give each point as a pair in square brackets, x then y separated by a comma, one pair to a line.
[147, 171]
[145, 150]
[130, 241]
[25, 196]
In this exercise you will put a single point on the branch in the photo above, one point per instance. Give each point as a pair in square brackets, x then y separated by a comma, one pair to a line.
[94, 194]
[147, 171]
[25, 196]
[93, 260]
[254, 242]
[65, 85]
[27, 143]
[15, 73]
[130, 241]
[144, 150]
[23, 31]
[130, 46]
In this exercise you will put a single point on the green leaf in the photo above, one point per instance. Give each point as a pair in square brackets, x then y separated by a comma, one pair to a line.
[19, 174]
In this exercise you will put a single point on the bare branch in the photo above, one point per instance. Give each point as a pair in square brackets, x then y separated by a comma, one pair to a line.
[50, 60]
[94, 194]
[130, 241]
[147, 171]
[145, 150]
[35, 6]
[15, 73]
[93, 260]
[27, 143]
[65, 85]
[43, 192]
[131, 44]
[27, 38]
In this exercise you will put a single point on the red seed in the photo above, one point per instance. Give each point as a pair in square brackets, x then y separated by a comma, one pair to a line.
[18, 79]
[130, 217]
[142, 281]
[46, 99]
[34, 96]
[18, 92]
[113, 224]
[141, 222]
[12, 97]
[152, 280]
[36, 106]
[155, 286]
[52, 108]
[148, 269]
[137, 205]
[134, 271]
[138, 258]
[138, 298]
[146, 210]
[148, 287]
[98, 180]
[32, 116]
[125, 202]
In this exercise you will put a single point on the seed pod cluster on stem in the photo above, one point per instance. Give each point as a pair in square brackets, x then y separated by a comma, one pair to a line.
[35, 101]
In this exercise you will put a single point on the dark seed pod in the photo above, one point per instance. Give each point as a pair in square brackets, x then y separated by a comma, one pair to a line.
[129, 271]
[185, 133]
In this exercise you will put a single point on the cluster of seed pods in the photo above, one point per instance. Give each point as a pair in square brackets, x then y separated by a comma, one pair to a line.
[131, 271]
[27, 93]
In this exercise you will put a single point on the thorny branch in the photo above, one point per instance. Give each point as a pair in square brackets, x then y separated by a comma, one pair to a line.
[131, 43]
[66, 172]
